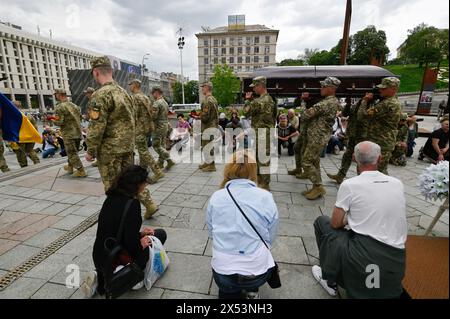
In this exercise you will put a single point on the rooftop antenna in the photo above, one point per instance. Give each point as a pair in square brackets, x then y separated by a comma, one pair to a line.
[39, 31]
[51, 34]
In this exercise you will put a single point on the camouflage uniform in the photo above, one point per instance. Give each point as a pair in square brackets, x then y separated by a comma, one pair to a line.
[69, 120]
[3, 166]
[144, 129]
[23, 150]
[262, 111]
[382, 119]
[321, 118]
[210, 119]
[399, 154]
[160, 110]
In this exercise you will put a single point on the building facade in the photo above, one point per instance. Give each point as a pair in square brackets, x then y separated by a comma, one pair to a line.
[34, 66]
[242, 47]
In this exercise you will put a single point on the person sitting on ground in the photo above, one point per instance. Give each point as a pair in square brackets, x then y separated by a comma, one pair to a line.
[236, 137]
[241, 262]
[181, 133]
[49, 144]
[339, 137]
[413, 133]
[436, 148]
[373, 206]
[131, 182]
[223, 121]
[294, 121]
[286, 133]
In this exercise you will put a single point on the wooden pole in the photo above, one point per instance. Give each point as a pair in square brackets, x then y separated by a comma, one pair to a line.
[346, 36]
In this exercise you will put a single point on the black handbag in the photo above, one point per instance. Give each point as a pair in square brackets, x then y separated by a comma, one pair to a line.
[116, 284]
[274, 280]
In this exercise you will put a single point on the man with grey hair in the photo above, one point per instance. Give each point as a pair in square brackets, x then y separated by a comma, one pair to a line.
[362, 246]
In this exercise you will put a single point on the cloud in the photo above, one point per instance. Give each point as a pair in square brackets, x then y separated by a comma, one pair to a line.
[131, 29]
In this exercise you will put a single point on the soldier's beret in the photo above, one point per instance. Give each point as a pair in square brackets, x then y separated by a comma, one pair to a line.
[330, 81]
[157, 88]
[60, 91]
[389, 82]
[260, 80]
[208, 84]
[102, 61]
[135, 81]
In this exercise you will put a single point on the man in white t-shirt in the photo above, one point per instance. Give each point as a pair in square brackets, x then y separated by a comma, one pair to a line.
[372, 207]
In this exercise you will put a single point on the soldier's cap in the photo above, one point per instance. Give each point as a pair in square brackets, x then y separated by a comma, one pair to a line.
[157, 88]
[389, 82]
[331, 81]
[135, 81]
[102, 61]
[89, 90]
[444, 118]
[260, 80]
[208, 84]
[404, 117]
[60, 91]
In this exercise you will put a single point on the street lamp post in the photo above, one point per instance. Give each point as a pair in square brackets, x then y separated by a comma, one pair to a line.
[143, 66]
[181, 44]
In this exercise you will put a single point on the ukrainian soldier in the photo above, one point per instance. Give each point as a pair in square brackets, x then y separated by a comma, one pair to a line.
[160, 111]
[23, 150]
[144, 129]
[356, 132]
[383, 118]
[399, 154]
[320, 118]
[112, 120]
[88, 94]
[3, 166]
[263, 112]
[210, 119]
[68, 118]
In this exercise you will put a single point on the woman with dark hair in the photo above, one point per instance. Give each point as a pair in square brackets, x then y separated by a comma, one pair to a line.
[131, 182]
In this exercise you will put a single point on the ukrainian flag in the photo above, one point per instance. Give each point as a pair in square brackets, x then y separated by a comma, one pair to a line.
[15, 125]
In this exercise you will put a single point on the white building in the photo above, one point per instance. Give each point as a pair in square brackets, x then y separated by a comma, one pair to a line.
[242, 47]
[34, 66]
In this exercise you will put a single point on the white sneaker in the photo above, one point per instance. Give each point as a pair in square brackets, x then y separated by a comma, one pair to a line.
[138, 286]
[90, 284]
[317, 273]
[252, 295]
[337, 150]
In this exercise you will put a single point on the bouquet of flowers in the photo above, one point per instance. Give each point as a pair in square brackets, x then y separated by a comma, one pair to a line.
[433, 183]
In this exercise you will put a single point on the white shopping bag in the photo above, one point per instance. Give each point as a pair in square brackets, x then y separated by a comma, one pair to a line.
[157, 263]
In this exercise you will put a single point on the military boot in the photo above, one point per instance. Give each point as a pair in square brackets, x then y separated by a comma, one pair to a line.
[5, 170]
[295, 171]
[155, 178]
[80, 173]
[150, 209]
[264, 186]
[302, 176]
[337, 178]
[209, 168]
[316, 192]
[170, 164]
[160, 164]
[202, 166]
[304, 193]
[68, 169]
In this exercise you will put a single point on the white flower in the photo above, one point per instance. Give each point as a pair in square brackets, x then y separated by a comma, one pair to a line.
[433, 183]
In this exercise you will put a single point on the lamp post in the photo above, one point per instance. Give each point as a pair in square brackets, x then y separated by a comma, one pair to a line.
[143, 66]
[181, 44]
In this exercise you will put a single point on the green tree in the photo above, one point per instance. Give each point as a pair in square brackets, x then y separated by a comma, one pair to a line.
[426, 45]
[191, 92]
[225, 85]
[323, 58]
[368, 44]
[291, 62]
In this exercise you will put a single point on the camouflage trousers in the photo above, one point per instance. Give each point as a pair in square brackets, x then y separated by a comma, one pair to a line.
[111, 165]
[72, 146]
[146, 159]
[311, 161]
[24, 150]
[263, 178]
[207, 157]
[347, 158]
[398, 157]
[159, 143]
[3, 165]
[299, 149]
[385, 159]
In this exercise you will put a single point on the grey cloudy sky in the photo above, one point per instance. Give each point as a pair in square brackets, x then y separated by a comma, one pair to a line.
[129, 29]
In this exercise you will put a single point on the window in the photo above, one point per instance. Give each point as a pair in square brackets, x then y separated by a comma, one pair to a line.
[216, 42]
[267, 50]
[267, 39]
[256, 40]
[231, 41]
[247, 68]
[231, 51]
[247, 50]
[256, 59]
[248, 40]
[216, 60]
[224, 41]
[239, 59]
[231, 59]
[266, 59]
[216, 51]
[224, 60]
[247, 59]
[240, 41]
[239, 68]
[206, 61]
[224, 51]
[205, 42]
[239, 50]
[256, 49]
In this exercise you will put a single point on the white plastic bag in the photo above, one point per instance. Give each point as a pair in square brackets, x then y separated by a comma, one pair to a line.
[157, 263]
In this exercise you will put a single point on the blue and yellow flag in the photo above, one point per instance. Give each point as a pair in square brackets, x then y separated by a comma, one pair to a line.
[16, 127]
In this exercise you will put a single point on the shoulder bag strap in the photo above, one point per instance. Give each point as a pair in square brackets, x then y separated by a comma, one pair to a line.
[122, 221]
[245, 216]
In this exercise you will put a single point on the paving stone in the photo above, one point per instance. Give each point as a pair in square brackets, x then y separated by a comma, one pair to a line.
[289, 250]
[22, 288]
[54, 209]
[6, 245]
[17, 256]
[310, 244]
[292, 228]
[184, 200]
[10, 229]
[78, 245]
[45, 237]
[179, 295]
[30, 231]
[72, 199]
[48, 195]
[190, 218]
[69, 210]
[7, 217]
[22, 205]
[87, 210]
[53, 291]
[186, 241]
[154, 293]
[37, 207]
[51, 266]
[69, 222]
[187, 273]
[8, 202]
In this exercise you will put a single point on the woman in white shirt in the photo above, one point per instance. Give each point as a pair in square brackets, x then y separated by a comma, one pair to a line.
[241, 262]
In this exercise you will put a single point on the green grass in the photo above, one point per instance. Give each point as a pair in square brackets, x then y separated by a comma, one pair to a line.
[411, 76]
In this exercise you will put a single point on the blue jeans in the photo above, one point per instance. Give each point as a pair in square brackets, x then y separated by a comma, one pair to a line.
[47, 153]
[232, 286]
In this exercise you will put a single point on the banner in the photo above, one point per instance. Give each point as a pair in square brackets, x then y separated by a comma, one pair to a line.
[426, 98]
